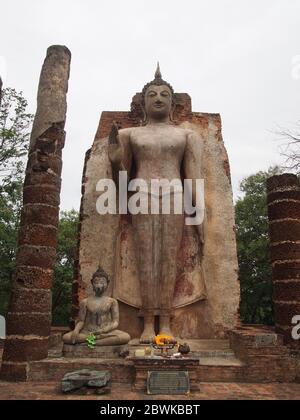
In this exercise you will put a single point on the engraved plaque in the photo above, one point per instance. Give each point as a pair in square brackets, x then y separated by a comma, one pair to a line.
[265, 340]
[168, 382]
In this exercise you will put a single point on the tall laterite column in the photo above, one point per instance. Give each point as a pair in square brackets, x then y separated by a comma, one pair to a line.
[29, 314]
[284, 231]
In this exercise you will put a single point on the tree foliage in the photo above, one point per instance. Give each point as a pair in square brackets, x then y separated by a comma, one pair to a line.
[290, 148]
[253, 249]
[15, 123]
[63, 273]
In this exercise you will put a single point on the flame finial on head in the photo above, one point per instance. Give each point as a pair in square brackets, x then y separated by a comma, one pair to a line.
[158, 81]
[157, 74]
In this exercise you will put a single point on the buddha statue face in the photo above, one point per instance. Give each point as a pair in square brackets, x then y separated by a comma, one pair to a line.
[100, 284]
[158, 102]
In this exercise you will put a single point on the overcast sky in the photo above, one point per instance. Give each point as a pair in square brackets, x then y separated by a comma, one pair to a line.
[239, 58]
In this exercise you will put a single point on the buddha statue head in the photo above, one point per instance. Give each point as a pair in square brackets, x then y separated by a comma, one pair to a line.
[100, 281]
[157, 99]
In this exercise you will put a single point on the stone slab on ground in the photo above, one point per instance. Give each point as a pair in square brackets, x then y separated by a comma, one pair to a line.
[86, 380]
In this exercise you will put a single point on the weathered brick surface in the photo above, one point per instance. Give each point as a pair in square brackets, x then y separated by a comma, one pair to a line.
[286, 333]
[265, 356]
[43, 178]
[13, 372]
[219, 373]
[284, 290]
[123, 392]
[284, 209]
[37, 323]
[42, 164]
[19, 350]
[285, 249]
[286, 270]
[284, 182]
[287, 230]
[30, 300]
[33, 256]
[38, 235]
[34, 277]
[54, 369]
[293, 194]
[285, 311]
[42, 194]
[39, 213]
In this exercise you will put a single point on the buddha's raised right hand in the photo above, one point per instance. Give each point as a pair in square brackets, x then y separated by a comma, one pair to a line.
[115, 149]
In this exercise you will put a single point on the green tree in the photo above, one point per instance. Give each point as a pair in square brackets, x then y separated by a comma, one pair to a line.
[63, 273]
[15, 123]
[253, 249]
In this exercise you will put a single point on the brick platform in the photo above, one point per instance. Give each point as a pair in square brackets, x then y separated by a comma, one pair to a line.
[252, 355]
[143, 365]
[265, 357]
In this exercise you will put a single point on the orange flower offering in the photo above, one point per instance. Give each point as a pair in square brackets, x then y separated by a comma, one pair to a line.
[164, 339]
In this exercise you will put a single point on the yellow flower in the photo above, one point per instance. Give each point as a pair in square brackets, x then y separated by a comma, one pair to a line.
[162, 339]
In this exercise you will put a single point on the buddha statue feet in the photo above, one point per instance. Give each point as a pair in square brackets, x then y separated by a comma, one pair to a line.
[147, 336]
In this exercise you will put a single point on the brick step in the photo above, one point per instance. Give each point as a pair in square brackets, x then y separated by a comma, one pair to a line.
[209, 373]
[211, 354]
[260, 370]
[259, 357]
[277, 350]
[221, 361]
[219, 369]
[53, 369]
[210, 369]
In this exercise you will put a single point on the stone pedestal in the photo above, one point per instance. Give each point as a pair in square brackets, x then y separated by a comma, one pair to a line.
[77, 351]
[145, 364]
